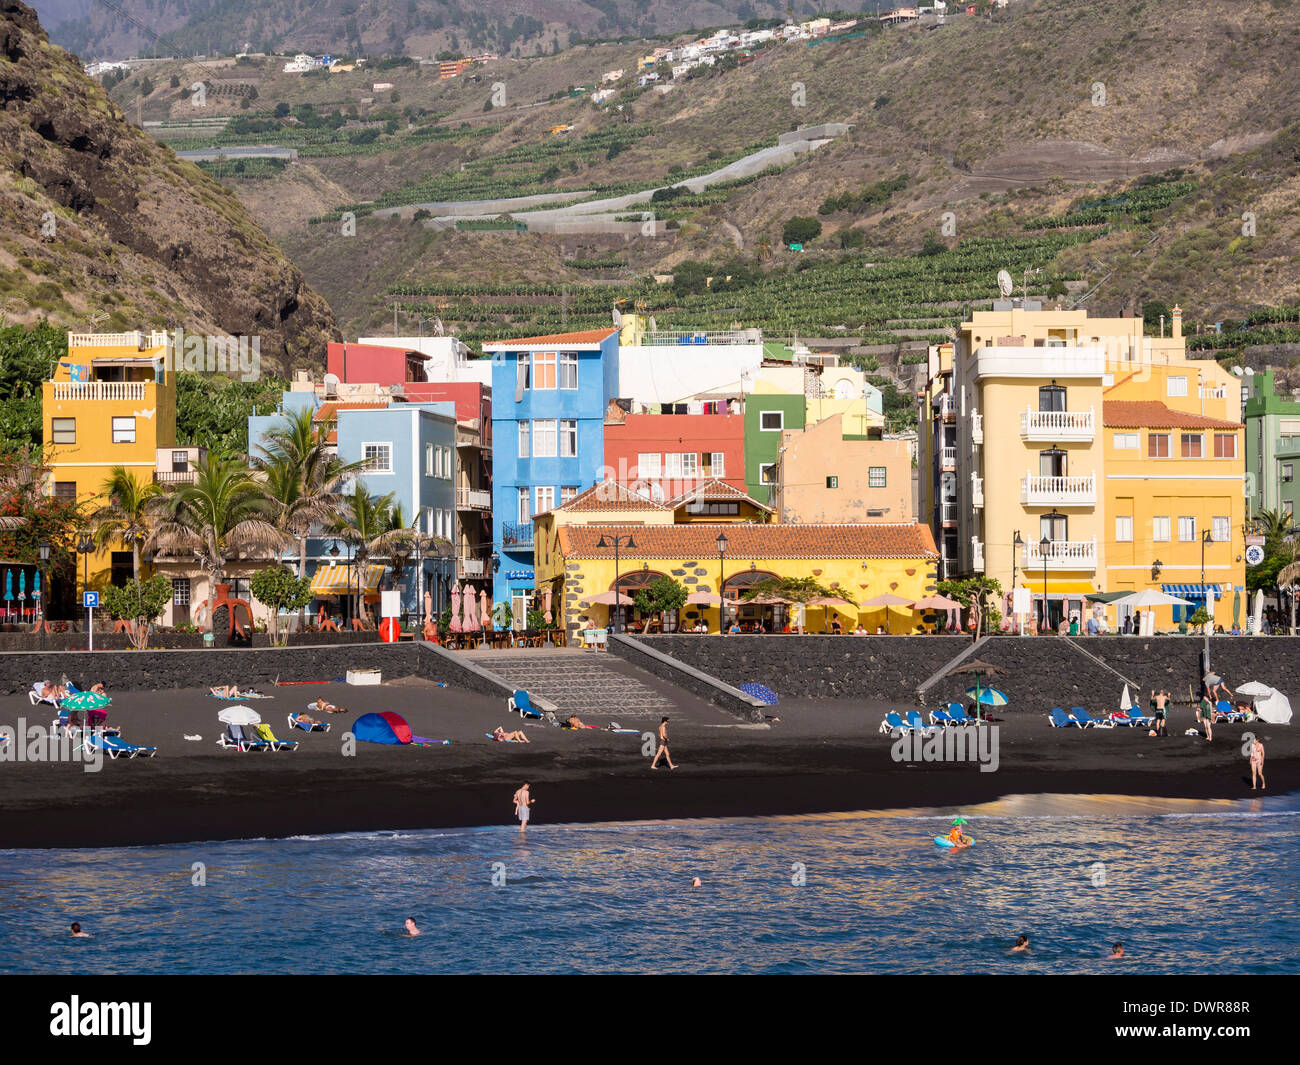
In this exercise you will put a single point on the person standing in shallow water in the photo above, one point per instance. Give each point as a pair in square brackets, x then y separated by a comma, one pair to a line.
[522, 802]
[1257, 765]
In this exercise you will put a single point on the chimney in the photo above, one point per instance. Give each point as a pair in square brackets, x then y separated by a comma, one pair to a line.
[1178, 322]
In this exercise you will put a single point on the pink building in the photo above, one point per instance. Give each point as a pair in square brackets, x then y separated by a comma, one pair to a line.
[668, 453]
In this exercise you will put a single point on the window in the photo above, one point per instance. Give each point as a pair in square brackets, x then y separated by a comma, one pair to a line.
[544, 438]
[545, 499]
[124, 430]
[717, 464]
[525, 506]
[1288, 507]
[569, 369]
[567, 492]
[1124, 530]
[181, 591]
[180, 462]
[1225, 445]
[429, 458]
[832, 481]
[690, 464]
[378, 457]
[568, 437]
[1186, 529]
[1193, 445]
[543, 369]
[524, 428]
[876, 477]
[647, 464]
[1160, 529]
[1126, 441]
[429, 527]
[1157, 445]
[771, 421]
[1288, 472]
[64, 430]
[522, 376]
[673, 464]
[448, 524]
[767, 472]
[1052, 463]
[1054, 526]
[1177, 386]
[1051, 397]
[1221, 530]
[66, 490]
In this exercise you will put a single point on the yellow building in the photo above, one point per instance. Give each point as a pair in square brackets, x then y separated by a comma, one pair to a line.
[1025, 483]
[576, 567]
[109, 403]
[822, 474]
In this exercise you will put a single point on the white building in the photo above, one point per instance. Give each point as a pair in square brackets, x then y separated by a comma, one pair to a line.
[300, 64]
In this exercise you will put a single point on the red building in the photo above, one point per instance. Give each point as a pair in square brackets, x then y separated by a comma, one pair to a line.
[664, 455]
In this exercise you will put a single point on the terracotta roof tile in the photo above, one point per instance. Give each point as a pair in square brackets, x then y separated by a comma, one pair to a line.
[329, 411]
[609, 496]
[715, 490]
[750, 540]
[1152, 414]
[585, 336]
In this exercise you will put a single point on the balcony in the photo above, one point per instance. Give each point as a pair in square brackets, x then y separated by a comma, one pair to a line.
[473, 499]
[171, 477]
[134, 339]
[948, 458]
[977, 427]
[127, 391]
[468, 436]
[470, 567]
[517, 534]
[945, 407]
[1059, 426]
[1038, 491]
[977, 554]
[1071, 362]
[948, 513]
[1221, 392]
[976, 491]
[1061, 554]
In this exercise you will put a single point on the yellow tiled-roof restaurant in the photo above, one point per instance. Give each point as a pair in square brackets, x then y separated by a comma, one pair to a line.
[1126, 455]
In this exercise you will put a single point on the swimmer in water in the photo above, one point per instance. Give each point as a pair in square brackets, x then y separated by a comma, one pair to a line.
[1116, 951]
[1022, 945]
[77, 933]
[411, 928]
[696, 882]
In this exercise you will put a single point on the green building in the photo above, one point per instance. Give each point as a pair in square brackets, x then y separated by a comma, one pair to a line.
[1272, 447]
[767, 416]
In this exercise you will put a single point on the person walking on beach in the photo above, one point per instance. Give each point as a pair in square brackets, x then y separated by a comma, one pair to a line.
[1205, 717]
[522, 801]
[1257, 765]
[663, 746]
[1160, 708]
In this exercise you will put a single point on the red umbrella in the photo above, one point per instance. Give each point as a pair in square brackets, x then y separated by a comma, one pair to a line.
[484, 612]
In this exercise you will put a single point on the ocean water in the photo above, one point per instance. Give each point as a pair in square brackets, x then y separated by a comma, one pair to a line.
[1187, 886]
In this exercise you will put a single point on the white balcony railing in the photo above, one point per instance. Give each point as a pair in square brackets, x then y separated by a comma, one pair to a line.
[977, 554]
[1063, 425]
[947, 512]
[1062, 554]
[1058, 491]
[945, 405]
[470, 567]
[948, 458]
[1221, 392]
[134, 339]
[977, 491]
[977, 427]
[130, 391]
[473, 499]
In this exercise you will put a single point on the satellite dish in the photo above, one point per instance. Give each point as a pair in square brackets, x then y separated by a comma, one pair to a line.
[1237, 370]
[618, 319]
[1005, 285]
[1250, 372]
[331, 384]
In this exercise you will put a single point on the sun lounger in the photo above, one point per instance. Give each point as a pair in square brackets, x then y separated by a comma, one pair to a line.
[1086, 720]
[35, 697]
[1060, 719]
[521, 704]
[941, 718]
[958, 716]
[263, 731]
[316, 726]
[1224, 711]
[918, 722]
[234, 738]
[894, 723]
[118, 748]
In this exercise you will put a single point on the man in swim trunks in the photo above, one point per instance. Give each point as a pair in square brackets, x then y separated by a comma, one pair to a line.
[522, 800]
[1116, 951]
[663, 746]
[1257, 765]
[1205, 717]
[1160, 709]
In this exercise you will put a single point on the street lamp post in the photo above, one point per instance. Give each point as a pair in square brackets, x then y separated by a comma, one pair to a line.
[85, 545]
[721, 541]
[1016, 544]
[1044, 545]
[44, 549]
[1207, 537]
[618, 541]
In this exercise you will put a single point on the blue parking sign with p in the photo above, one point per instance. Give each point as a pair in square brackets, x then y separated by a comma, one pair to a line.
[90, 600]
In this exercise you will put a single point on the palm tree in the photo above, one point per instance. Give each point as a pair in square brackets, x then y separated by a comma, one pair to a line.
[303, 478]
[128, 516]
[222, 515]
[366, 523]
[1274, 525]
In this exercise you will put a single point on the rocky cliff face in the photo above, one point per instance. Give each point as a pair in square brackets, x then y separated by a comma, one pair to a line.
[100, 223]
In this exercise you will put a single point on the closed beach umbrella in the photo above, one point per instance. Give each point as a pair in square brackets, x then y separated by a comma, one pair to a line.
[240, 715]
[1126, 700]
[455, 608]
[1236, 605]
[468, 620]
[9, 590]
[1259, 611]
[428, 605]
[485, 614]
[546, 606]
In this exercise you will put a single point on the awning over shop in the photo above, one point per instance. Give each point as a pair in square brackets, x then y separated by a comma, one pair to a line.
[1192, 591]
[1106, 597]
[341, 579]
[1055, 587]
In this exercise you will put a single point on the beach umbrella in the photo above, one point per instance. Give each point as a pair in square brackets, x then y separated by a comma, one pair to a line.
[980, 669]
[9, 590]
[428, 606]
[546, 606]
[608, 599]
[22, 591]
[87, 701]
[240, 715]
[988, 696]
[884, 602]
[1254, 687]
[1236, 604]
[760, 692]
[469, 622]
[1275, 708]
[703, 599]
[1259, 611]
[1126, 700]
[937, 602]
[960, 821]
[1150, 597]
[455, 608]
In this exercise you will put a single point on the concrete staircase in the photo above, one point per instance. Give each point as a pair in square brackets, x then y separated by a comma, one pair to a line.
[579, 682]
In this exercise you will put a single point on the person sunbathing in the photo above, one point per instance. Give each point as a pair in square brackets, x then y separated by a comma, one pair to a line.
[328, 708]
[304, 719]
[50, 690]
[575, 722]
[502, 736]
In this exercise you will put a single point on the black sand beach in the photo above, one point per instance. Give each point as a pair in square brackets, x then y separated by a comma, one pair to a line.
[822, 756]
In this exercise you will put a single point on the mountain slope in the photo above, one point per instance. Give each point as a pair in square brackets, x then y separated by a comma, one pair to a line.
[98, 219]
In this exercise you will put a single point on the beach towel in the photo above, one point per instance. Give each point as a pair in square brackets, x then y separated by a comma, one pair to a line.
[241, 695]
[424, 741]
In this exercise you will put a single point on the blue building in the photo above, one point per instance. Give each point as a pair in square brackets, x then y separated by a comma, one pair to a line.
[410, 451]
[549, 396]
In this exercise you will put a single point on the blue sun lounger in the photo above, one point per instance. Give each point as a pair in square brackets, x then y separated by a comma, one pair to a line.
[1060, 719]
[1086, 720]
[521, 704]
[894, 723]
[958, 716]
[318, 726]
[116, 748]
[234, 738]
[941, 718]
[1225, 711]
[1133, 718]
